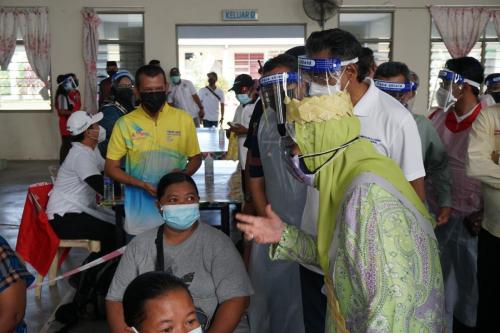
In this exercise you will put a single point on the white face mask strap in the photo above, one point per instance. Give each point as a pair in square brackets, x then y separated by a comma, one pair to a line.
[348, 62]
[327, 78]
[285, 79]
[134, 329]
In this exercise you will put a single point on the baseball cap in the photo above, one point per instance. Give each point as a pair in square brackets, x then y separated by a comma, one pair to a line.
[79, 121]
[242, 80]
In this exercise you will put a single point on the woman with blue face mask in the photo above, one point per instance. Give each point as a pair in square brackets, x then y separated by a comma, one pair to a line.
[201, 256]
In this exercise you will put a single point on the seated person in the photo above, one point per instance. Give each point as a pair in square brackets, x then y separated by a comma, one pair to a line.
[201, 256]
[72, 209]
[123, 101]
[159, 302]
[14, 279]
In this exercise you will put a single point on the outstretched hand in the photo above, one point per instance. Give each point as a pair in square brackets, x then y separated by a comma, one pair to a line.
[264, 230]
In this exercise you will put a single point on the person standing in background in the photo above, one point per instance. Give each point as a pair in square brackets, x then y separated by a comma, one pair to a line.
[105, 85]
[67, 101]
[211, 97]
[182, 95]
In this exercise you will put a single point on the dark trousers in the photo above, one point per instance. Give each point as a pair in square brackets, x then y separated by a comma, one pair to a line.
[313, 301]
[488, 267]
[65, 147]
[84, 226]
[209, 123]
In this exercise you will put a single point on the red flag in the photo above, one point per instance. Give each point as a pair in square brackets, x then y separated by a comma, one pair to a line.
[37, 242]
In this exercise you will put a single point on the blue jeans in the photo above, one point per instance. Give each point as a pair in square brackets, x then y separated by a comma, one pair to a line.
[209, 123]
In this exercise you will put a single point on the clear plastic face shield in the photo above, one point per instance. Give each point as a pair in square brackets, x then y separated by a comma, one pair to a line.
[403, 91]
[448, 88]
[69, 83]
[274, 91]
[319, 77]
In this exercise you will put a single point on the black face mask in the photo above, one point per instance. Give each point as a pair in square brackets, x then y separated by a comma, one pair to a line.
[111, 73]
[125, 96]
[153, 101]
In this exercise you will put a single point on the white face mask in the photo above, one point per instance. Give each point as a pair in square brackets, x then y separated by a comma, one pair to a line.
[445, 99]
[316, 89]
[101, 136]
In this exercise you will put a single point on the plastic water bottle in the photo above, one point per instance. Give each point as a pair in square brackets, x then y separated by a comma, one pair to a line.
[108, 189]
[209, 166]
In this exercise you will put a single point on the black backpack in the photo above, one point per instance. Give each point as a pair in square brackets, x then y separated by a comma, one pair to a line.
[91, 289]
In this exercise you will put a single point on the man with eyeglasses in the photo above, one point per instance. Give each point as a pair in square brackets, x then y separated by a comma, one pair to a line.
[155, 139]
[123, 102]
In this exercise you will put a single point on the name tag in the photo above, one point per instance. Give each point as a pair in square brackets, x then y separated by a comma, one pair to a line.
[171, 134]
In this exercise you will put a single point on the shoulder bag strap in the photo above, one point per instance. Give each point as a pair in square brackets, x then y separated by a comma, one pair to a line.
[159, 266]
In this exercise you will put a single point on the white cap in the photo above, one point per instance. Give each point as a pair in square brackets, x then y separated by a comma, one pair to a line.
[79, 121]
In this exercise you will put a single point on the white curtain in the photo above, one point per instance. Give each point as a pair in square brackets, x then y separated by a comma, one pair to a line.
[33, 24]
[460, 27]
[496, 20]
[91, 22]
[7, 36]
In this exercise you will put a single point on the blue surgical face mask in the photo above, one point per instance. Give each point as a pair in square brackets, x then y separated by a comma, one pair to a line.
[243, 98]
[180, 217]
[175, 79]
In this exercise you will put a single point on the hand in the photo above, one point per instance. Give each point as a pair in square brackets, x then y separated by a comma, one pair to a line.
[494, 156]
[473, 223]
[201, 113]
[264, 230]
[238, 129]
[443, 216]
[150, 188]
[221, 121]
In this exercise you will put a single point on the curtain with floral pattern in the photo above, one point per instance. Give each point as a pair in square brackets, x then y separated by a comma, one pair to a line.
[91, 22]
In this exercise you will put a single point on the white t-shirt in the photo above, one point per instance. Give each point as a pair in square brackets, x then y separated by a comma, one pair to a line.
[181, 96]
[242, 116]
[393, 131]
[81, 163]
[211, 103]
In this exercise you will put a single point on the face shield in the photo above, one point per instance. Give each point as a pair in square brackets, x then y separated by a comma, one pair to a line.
[274, 91]
[397, 90]
[448, 88]
[69, 84]
[318, 77]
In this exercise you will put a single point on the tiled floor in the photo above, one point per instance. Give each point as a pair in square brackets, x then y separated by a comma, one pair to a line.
[14, 181]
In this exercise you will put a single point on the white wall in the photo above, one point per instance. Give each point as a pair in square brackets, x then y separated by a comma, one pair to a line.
[35, 135]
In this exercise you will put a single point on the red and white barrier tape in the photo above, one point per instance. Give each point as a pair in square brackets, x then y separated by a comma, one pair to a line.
[91, 264]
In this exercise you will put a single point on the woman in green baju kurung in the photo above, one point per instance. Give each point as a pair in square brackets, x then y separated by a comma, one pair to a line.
[375, 243]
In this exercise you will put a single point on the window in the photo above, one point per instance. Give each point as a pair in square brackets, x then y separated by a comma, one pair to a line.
[373, 30]
[121, 38]
[19, 85]
[486, 50]
[248, 63]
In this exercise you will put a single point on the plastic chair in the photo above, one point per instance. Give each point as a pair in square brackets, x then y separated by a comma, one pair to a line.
[64, 244]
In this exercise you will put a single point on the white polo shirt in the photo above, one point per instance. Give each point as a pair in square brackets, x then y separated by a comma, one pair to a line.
[242, 116]
[181, 96]
[211, 103]
[81, 163]
[393, 131]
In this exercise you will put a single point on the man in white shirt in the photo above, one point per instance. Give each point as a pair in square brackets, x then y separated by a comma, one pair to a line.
[384, 121]
[211, 97]
[182, 95]
[72, 209]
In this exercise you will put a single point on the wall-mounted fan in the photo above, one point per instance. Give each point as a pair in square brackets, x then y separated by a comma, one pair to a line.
[321, 10]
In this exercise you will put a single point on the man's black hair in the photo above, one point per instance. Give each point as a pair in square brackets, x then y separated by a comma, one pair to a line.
[491, 76]
[111, 63]
[78, 138]
[149, 70]
[296, 51]
[392, 69]
[366, 60]
[154, 62]
[174, 70]
[470, 68]
[284, 59]
[340, 44]
[145, 287]
[173, 178]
